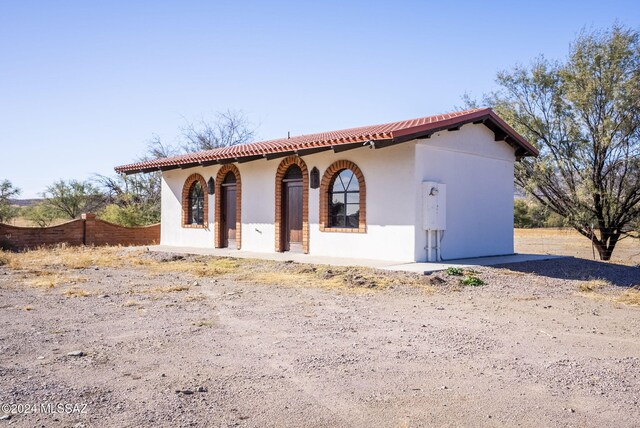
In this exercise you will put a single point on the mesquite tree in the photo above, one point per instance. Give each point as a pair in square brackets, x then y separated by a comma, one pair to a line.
[584, 116]
[69, 199]
[7, 191]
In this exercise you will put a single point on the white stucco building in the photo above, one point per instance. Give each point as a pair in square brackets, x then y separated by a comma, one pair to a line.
[433, 188]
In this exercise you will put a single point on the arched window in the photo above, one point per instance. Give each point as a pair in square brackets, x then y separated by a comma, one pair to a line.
[196, 204]
[344, 200]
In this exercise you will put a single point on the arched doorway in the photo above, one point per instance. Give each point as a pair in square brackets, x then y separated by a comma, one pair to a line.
[228, 191]
[228, 211]
[292, 209]
[292, 206]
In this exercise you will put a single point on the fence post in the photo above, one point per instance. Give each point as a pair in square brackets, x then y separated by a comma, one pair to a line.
[89, 228]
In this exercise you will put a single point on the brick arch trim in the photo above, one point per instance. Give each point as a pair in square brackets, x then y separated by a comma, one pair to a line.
[279, 229]
[331, 172]
[222, 172]
[185, 201]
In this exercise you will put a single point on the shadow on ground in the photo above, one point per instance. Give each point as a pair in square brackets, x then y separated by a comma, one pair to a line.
[580, 269]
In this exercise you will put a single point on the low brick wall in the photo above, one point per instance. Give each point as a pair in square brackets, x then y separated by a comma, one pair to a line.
[87, 230]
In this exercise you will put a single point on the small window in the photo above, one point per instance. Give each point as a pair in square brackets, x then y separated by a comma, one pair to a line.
[344, 200]
[196, 204]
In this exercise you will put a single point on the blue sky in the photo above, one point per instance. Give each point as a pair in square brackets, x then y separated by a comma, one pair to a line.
[84, 85]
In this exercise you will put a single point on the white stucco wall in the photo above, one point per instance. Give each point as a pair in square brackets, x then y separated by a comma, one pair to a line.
[390, 232]
[388, 174]
[390, 199]
[478, 172]
[171, 230]
[258, 204]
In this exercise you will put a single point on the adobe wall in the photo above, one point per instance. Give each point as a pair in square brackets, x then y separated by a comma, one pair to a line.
[87, 230]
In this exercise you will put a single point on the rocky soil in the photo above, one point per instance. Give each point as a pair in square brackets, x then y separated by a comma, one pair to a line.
[539, 344]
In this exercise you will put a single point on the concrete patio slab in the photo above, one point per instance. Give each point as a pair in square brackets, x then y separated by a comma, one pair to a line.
[288, 256]
[470, 263]
[341, 261]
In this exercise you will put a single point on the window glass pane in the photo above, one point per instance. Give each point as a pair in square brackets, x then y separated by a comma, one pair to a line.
[196, 204]
[353, 215]
[336, 209]
[344, 200]
[353, 209]
[337, 198]
[200, 209]
[346, 176]
[337, 221]
[353, 185]
[197, 212]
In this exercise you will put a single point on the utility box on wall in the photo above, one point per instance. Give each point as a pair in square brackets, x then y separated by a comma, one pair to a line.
[434, 198]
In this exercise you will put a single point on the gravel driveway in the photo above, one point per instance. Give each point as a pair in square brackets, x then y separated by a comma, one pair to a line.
[123, 347]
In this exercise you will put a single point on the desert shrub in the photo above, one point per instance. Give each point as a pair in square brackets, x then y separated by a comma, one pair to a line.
[40, 214]
[472, 281]
[454, 271]
[131, 215]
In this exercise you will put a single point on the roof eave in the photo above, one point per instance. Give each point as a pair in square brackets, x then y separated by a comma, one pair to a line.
[337, 148]
[502, 131]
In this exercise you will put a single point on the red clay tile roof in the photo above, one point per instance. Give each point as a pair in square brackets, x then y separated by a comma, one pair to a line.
[377, 135]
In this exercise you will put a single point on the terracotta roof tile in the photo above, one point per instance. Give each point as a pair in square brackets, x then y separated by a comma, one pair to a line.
[390, 133]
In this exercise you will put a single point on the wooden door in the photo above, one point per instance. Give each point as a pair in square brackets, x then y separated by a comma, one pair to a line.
[293, 215]
[229, 216]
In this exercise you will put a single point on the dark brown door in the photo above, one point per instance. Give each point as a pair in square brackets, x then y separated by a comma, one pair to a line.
[293, 215]
[229, 216]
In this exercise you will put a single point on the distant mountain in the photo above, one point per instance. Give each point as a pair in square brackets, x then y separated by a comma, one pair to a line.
[24, 202]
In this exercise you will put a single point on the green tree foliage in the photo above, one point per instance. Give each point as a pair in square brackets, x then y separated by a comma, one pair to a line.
[131, 215]
[69, 199]
[7, 191]
[133, 200]
[584, 116]
[523, 215]
[528, 214]
[40, 214]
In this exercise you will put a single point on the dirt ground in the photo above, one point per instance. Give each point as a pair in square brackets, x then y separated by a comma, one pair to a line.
[568, 242]
[127, 338]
